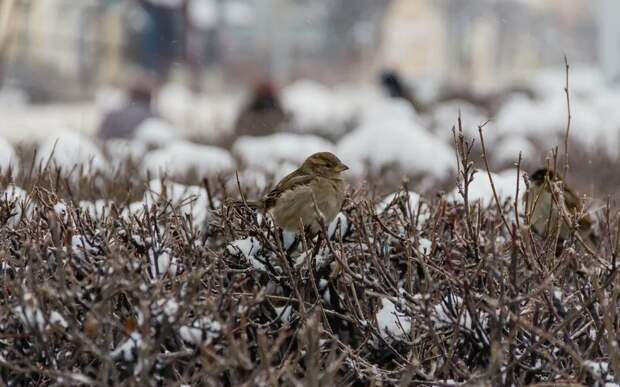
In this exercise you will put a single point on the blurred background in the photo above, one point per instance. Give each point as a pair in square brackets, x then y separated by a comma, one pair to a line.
[262, 83]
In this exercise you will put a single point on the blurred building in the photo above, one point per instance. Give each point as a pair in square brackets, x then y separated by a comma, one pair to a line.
[66, 48]
[484, 42]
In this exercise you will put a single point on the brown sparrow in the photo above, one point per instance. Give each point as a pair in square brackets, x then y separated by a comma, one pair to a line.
[543, 207]
[292, 201]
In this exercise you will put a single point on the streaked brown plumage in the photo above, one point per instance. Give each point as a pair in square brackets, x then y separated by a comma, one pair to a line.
[318, 180]
[543, 208]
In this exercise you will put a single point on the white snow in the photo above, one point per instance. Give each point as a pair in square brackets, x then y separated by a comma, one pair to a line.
[480, 188]
[390, 134]
[69, 151]
[155, 132]
[96, 209]
[8, 158]
[424, 246]
[29, 312]
[166, 308]
[60, 208]
[412, 205]
[445, 116]
[316, 108]
[416, 206]
[56, 318]
[392, 324]
[284, 312]
[209, 116]
[202, 331]
[134, 209]
[599, 369]
[82, 247]
[189, 199]
[448, 310]
[36, 122]
[180, 158]
[161, 262]
[17, 196]
[339, 222]
[507, 150]
[268, 152]
[121, 149]
[129, 349]
[249, 249]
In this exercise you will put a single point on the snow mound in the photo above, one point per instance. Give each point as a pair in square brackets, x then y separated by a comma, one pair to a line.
[268, 152]
[209, 115]
[316, 108]
[507, 149]
[480, 188]
[155, 132]
[396, 139]
[395, 111]
[593, 123]
[445, 116]
[392, 324]
[121, 149]
[180, 158]
[69, 151]
[8, 158]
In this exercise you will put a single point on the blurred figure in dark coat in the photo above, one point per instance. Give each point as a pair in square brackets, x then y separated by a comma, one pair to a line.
[263, 114]
[122, 122]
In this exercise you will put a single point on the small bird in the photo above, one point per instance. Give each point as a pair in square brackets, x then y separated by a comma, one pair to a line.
[318, 180]
[543, 208]
[263, 114]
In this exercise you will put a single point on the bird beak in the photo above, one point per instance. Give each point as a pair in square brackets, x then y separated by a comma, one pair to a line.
[341, 168]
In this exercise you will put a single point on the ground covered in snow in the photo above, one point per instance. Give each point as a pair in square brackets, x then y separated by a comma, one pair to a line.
[109, 278]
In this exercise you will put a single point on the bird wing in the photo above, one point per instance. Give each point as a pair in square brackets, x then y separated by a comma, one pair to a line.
[292, 180]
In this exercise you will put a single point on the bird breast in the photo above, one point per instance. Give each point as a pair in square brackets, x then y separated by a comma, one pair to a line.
[297, 204]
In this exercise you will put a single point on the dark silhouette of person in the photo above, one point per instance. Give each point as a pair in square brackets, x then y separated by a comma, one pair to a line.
[122, 122]
[263, 113]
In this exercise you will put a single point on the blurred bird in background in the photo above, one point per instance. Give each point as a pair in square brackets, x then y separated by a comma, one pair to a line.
[317, 183]
[263, 113]
[544, 204]
[122, 122]
[395, 87]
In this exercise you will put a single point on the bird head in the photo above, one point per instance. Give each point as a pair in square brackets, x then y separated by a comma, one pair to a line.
[539, 177]
[324, 164]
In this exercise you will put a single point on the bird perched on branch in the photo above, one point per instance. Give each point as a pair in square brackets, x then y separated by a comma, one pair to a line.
[316, 185]
[550, 203]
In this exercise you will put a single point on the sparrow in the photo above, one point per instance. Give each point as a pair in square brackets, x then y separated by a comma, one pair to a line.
[543, 208]
[292, 201]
